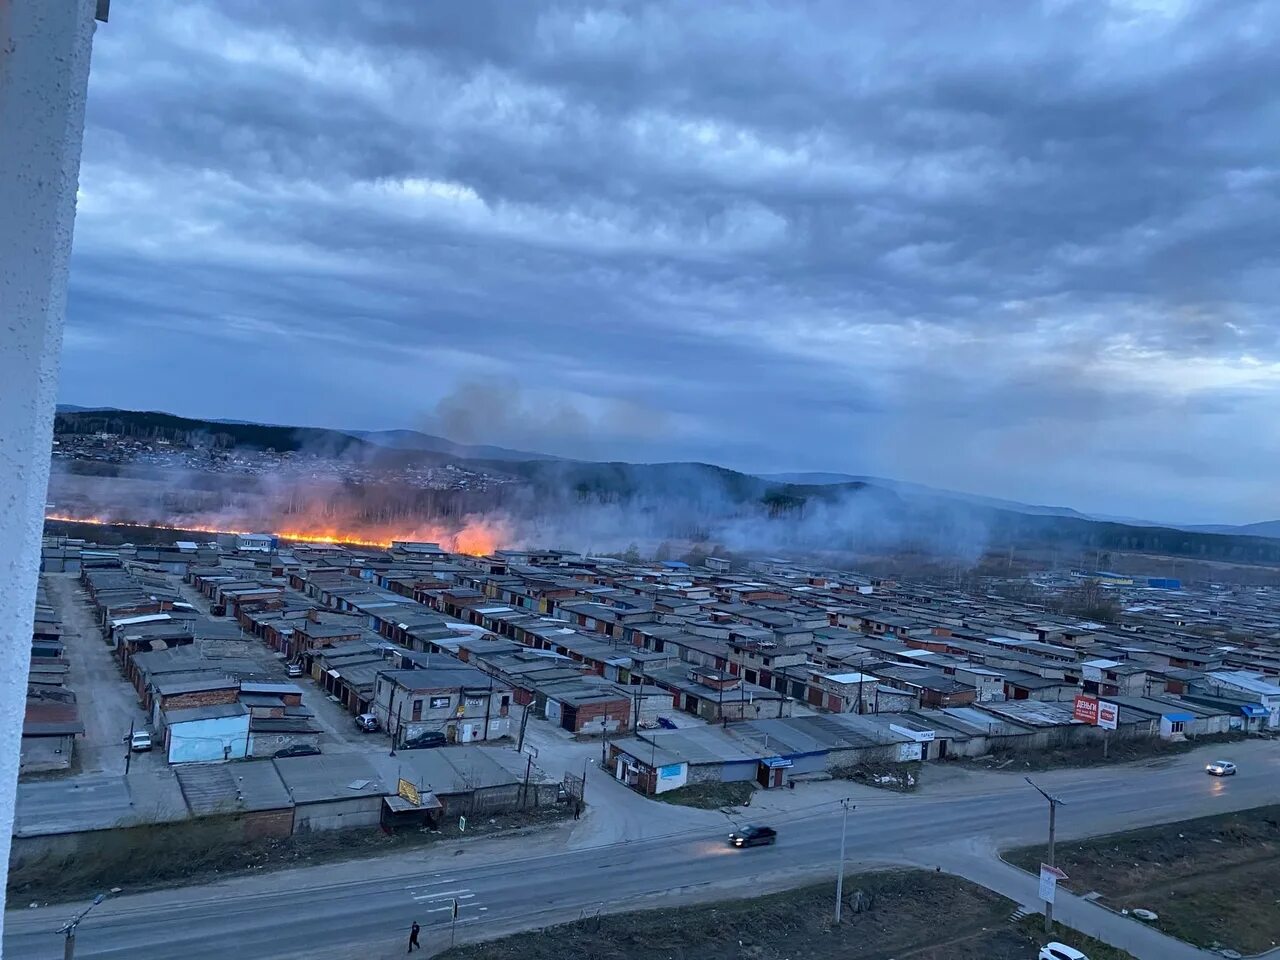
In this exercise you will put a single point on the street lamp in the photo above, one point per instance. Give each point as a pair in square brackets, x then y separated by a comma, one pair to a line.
[69, 928]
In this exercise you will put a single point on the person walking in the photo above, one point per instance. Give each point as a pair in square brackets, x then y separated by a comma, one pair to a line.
[413, 937]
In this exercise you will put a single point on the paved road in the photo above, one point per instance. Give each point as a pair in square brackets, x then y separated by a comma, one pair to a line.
[363, 909]
[108, 704]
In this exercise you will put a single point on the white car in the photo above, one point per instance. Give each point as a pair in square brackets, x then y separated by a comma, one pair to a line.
[140, 741]
[1220, 768]
[1060, 951]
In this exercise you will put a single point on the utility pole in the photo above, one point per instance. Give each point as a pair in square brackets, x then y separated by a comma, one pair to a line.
[844, 826]
[488, 705]
[69, 928]
[391, 702]
[783, 691]
[635, 719]
[128, 749]
[1053, 818]
[524, 722]
[528, 769]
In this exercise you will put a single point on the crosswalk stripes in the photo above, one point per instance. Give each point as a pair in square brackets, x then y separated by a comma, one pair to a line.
[436, 898]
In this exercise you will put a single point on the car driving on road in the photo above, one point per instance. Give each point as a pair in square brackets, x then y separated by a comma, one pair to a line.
[1220, 768]
[751, 836]
[140, 741]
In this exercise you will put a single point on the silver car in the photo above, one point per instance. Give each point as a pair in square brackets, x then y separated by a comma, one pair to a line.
[1220, 768]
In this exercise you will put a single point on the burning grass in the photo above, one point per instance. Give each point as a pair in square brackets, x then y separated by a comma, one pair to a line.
[476, 536]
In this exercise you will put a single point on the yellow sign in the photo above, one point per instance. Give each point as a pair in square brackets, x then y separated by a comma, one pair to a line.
[409, 792]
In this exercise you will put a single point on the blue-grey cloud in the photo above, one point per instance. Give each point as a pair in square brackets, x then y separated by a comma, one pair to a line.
[1022, 249]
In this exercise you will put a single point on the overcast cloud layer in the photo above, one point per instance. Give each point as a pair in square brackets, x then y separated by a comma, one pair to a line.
[1024, 250]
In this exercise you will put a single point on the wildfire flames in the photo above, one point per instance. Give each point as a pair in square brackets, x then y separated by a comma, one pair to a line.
[477, 536]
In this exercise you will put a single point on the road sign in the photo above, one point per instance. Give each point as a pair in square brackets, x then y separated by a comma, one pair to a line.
[409, 791]
[1085, 709]
[462, 824]
[1049, 877]
[455, 908]
[1108, 715]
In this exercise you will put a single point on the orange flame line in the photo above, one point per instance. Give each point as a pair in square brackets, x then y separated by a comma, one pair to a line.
[293, 536]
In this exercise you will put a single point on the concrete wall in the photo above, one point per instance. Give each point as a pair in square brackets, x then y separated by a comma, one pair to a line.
[396, 707]
[41, 754]
[671, 777]
[44, 74]
[722, 772]
[201, 741]
[266, 744]
[654, 706]
[338, 814]
[498, 799]
[703, 773]
[815, 763]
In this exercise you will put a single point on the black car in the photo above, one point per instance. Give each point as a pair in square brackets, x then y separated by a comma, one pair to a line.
[753, 837]
[425, 741]
[297, 750]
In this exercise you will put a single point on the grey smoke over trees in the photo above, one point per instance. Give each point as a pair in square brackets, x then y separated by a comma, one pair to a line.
[583, 507]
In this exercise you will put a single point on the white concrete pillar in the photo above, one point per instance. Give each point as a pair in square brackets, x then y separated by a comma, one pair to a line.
[44, 73]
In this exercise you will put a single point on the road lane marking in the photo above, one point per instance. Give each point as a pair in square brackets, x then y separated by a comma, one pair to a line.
[431, 883]
[462, 893]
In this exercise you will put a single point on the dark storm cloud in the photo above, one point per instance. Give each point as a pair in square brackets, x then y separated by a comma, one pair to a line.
[988, 245]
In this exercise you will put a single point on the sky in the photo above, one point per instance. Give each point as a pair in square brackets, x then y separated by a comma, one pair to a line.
[1024, 250]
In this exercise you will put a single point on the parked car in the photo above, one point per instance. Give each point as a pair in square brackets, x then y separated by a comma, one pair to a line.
[367, 722]
[294, 669]
[1060, 951]
[666, 724]
[140, 741]
[426, 740]
[297, 750]
[750, 836]
[1220, 768]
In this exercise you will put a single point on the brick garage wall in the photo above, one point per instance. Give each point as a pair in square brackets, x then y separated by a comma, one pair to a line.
[267, 823]
[590, 716]
[169, 840]
[203, 698]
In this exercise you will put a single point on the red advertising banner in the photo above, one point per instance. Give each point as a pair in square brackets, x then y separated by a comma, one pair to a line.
[1085, 709]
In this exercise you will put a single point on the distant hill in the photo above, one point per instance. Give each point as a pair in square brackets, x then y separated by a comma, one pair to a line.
[675, 481]
[261, 436]
[655, 493]
[1263, 528]
[413, 440]
[920, 490]
[150, 424]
